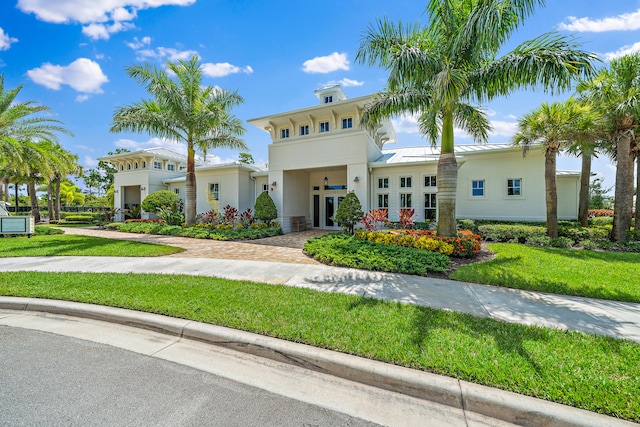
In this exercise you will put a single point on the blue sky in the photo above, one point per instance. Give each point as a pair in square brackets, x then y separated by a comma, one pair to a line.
[71, 56]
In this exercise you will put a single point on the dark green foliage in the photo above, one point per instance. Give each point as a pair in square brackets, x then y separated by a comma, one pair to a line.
[196, 232]
[47, 231]
[265, 208]
[349, 212]
[162, 199]
[348, 251]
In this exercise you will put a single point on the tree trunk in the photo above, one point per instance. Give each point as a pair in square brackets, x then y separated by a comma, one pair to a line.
[15, 187]
[623, 202]
[190, 187]
[585, 179]
[447, 181]
[50, 200]
[635, 226]
[6, 188]
[57, 204]
[551, 192]
[35, 209]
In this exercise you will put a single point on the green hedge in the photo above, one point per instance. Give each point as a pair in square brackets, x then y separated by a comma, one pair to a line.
[195, 232]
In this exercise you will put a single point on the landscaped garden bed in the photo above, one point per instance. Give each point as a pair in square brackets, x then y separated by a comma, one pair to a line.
[198, 231]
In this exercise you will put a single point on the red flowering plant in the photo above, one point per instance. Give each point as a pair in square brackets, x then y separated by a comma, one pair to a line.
[407, 218]
[375, 219]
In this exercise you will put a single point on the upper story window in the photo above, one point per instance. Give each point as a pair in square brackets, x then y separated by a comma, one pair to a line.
[431, 181]
[157, 165]
[144, 165]
[135, 165]
[347, 123]
[284, 133]
[328, 99]
[171, 167]
[477, 188]
[128, 166]
[383, 182]
[304, 130]
[324, 127]
[405, 182]
[514, 187]
[121, 167]
[182, 168]
[214, 189]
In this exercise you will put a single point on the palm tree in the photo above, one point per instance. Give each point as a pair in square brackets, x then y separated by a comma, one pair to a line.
[616, 94]
[554, 126]
[183, 111]
[444, 70]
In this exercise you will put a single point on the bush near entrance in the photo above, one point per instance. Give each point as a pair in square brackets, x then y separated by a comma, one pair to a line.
[265, 209]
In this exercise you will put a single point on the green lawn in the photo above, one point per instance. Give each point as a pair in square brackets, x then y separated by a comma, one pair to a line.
[74, 245]
[592, 372]
[607, 275]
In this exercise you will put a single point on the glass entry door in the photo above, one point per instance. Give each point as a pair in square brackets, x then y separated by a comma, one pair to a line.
[331, 204]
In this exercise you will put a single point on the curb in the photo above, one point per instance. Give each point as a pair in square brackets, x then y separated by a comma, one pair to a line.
[495, 403]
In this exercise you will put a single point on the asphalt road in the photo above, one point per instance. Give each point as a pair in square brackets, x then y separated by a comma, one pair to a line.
[54, 380]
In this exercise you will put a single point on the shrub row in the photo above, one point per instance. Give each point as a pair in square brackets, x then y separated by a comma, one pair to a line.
[466, 245]
[349, 251]
[195, 232]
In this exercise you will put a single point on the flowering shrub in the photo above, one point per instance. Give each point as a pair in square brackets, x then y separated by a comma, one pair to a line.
[210, 218]
[466, 244]
[246, 218]
[407, 218]
[600, 212]
[375, 219]
[230, 215]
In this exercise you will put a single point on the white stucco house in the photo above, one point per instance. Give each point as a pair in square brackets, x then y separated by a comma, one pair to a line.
[318, 154]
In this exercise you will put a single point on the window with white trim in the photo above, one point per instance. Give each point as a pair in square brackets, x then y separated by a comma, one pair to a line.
[171, 167]
[383, 201]
[265, 187]
[347, 123]
[144, 165]
[430, 206]
[328, 99]
[304, 130]
[514, 187]
[431, 181]
[128, 166]
[214, 189]
[405, 182]
[135, 166]
[405, 201]
[383, 182]
[324, 127]
[121, 167]
[477, 188]
[177, 191]
[284, 133]
[157, 165]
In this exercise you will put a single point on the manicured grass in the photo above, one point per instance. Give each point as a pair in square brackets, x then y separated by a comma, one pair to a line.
[607, 275]
[74, 245]
[348, 251]
[592, 372]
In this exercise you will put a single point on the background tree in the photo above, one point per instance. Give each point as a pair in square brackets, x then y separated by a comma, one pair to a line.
[246, 158]
[555, 126]
[598, 198]
[443, 71]
[184, 111]
[616, 94]
[349, 212]
[264, 208]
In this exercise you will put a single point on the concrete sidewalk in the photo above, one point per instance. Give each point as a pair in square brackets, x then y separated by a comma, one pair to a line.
[617, 319]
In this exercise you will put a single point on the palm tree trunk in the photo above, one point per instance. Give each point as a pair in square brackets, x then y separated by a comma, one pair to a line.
[57, 205]
[635, 227]
[50, 200]
[551, 191]
[4, 189]
[35, 209]
[624, 187]
[447, 180]
[585, 178]
[190, 187]
[15, 187]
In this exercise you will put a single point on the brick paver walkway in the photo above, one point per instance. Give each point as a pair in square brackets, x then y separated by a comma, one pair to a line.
[286, 248]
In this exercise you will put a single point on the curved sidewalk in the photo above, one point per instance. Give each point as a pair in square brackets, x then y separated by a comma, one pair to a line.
[613, 318]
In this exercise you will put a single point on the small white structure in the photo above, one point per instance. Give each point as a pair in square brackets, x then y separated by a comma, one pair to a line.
[320, 153]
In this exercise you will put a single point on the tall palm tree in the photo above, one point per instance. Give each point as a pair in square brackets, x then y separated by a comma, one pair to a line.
[616, 93]
[184, 111]
[555, 126]
[442, 71]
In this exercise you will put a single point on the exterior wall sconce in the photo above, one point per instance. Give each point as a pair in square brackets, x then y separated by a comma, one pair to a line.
[326, 181]
[356, 179]
[143, 188]
[273, 184]
[115, 191]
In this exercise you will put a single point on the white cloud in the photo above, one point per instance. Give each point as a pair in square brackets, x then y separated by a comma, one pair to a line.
[624, 22]
[409, 124]
[502, 128]
[165, 53]
[223, 69]
[89, 162]
[624, 50]
[82, 98]
[102, 18]
[152, 143]
[83, 75]
[5, 40]
[344, 83]
[406, 124]
[139, 43]
[326, 64]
